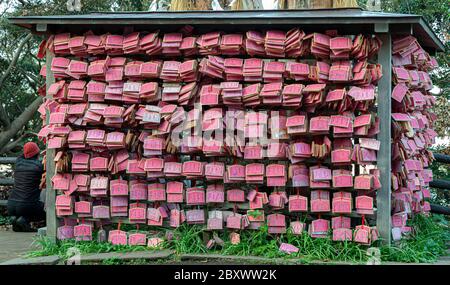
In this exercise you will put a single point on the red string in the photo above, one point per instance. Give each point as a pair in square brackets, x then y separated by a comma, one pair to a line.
[363, 220]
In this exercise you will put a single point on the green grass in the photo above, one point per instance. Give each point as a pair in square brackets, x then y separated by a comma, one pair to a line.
[85, 247]
[426, 245]
[188, 239]
[5, 220]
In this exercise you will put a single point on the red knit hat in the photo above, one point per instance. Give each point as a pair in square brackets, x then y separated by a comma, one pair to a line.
[30, 149]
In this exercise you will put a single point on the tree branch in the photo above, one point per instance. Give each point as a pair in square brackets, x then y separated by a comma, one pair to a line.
[4, 119]
[19, 122]
[15, 143]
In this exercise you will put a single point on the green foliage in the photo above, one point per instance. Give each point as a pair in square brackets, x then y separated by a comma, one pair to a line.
[61, 248]
[431, 234]
[5, 220]
[427, 244]
[188, 239]
[21, 86]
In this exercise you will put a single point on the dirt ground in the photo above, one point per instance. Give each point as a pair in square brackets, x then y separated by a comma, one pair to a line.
[13, 245]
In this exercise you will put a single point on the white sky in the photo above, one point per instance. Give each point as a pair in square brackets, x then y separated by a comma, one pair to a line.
[268, 4]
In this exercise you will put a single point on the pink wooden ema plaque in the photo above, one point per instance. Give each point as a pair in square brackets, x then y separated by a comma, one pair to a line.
[276, 175]
[195, 196]
[172, 168]
[341, 205]
[195, 216]
[118, 187]
[341, 222]
[362, 234]
[276, 220]
[155, 242]
[364, 182]
[320, 201]
[319, 228]
[234, 221]
[342, 234]
[215, 224]
[118, 237]
[174, 190]
[214, 170]
[297, 227]
[236, 195]
[154, 217]
[253, 152]
[138, 191]
[100, 212]
[342, 180]
[341, 156]
[364, 205]
[83, 232]
[298, 203]
[288, 248]
[137, 239]
[321, 174]
[137, 214]
[192, 168]
[319, 124]
[156, 192]
[236, 172]
[65, 232]
[175, 218]
[83, 207]
[215, 194]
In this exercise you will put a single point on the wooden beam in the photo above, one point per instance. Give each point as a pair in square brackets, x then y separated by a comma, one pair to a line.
[442, 158]
[8, 160]
[50, 198]
[440, 184]
[6, 181]
[384, 155]
[438, 209]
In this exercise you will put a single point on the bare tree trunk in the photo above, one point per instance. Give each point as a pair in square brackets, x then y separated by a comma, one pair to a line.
[7, 135]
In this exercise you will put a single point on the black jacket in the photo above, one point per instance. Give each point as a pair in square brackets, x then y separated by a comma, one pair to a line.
[27, 177]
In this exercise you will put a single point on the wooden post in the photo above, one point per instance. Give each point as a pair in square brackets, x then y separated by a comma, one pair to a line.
[50, 198]
[384, 155]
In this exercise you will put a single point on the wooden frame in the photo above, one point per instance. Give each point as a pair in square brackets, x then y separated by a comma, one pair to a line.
[353, 20]
[52, 221]
[384, 154]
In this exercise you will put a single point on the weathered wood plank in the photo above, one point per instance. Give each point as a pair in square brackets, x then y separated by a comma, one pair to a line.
[147, 255]
[6, 181]
[50, 198]
[8, 160]
[440, 184]
[442, 158]
[44, 260]
[438, 209]
[384, 155]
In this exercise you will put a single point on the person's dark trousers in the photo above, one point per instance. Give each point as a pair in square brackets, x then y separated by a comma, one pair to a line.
[25, 213]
